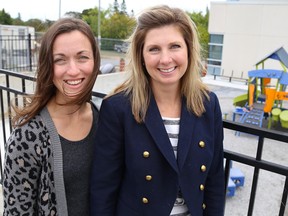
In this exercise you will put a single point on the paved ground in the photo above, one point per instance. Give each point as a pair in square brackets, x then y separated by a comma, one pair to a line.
[270, 186]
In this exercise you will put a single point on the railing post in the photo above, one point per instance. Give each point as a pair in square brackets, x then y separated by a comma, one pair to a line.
[4, 130]
[230, 78]
[284, 198]
[255, 176]
[29, 52]
[1, 52]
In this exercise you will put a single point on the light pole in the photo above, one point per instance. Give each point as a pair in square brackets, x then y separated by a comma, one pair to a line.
[59, 9]
[99, 23]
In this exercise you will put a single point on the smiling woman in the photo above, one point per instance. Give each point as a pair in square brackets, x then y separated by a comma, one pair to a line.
[50, 150]
[165, 59]
[159, 143]
[73, 64]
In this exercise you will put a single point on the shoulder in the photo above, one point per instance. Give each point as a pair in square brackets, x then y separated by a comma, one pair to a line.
[116, 108]
[34, 126]
[212, 99]
[119, 100]
[28, 137]
[212, 105]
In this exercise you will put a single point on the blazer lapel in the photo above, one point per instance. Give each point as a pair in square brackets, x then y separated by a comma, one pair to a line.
[186, 131]
[155, 126]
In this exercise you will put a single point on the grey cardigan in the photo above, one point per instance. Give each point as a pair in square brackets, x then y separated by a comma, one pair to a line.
[33, 182]
[57, 164]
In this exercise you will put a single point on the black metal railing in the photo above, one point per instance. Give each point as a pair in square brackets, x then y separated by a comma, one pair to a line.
[257, 162]
[19, 52]
[8, 92]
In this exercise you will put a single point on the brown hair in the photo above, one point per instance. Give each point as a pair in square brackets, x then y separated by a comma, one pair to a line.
[45, 89]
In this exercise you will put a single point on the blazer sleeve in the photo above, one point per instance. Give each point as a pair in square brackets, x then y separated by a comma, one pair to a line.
[107, 165]
[214, 197]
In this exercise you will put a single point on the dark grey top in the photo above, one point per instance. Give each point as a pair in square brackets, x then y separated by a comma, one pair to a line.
[77, 161]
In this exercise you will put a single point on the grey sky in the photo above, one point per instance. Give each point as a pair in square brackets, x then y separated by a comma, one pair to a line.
[49, 9]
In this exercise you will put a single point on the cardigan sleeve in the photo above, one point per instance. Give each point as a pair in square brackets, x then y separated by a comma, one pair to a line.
[22, 165]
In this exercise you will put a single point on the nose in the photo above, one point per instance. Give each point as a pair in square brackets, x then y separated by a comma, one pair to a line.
[165, 57]
[72, 68]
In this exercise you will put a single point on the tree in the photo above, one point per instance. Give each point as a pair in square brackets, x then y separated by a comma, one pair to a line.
[73, 14]
[118, 26]
[202, 25]
[123, 7]
[18, 20]
[116, 6]
[91, 17]
[5, 18]
[39, 25]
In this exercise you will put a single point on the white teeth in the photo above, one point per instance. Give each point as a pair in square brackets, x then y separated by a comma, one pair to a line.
[167, 70]
[73, 82]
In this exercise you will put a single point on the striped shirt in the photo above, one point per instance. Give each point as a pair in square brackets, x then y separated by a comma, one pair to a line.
[172, 128]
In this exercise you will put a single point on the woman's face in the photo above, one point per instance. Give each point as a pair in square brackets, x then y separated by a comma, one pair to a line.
[73, 64]
[165, 56]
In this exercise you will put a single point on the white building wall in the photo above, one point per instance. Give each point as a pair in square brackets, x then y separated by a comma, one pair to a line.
[252, 30]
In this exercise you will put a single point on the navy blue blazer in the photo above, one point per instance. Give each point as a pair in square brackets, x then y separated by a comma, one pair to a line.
[136, 173]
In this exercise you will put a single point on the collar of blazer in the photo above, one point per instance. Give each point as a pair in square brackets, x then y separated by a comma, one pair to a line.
[155, 126]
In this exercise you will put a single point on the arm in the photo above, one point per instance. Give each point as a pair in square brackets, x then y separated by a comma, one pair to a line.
[215, 189]
[21, 172]
[108, 162]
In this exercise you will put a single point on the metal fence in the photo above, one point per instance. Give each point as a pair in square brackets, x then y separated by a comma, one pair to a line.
[20, 52]
[25, 85]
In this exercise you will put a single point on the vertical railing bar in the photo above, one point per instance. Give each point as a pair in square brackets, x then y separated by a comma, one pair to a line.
[255, 176]
[284, 198]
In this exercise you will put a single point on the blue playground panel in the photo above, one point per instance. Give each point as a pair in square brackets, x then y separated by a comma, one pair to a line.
[266, 73]
[236, 179]
[231, 188]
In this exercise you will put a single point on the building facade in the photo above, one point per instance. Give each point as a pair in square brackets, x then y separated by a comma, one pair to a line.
[244, 31]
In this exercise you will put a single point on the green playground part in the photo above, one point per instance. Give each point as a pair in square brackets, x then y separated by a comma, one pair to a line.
[240, 100]
[284, 118]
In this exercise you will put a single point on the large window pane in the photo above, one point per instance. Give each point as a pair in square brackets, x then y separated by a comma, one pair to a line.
[216, 39]
[215, 52]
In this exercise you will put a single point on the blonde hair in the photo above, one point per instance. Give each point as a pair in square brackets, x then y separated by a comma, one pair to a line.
[137, 86]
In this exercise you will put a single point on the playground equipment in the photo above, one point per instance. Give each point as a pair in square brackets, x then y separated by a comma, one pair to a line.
[266, 93]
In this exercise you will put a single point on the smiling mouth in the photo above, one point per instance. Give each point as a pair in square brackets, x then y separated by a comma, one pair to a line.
[169, 70]
[73, 82]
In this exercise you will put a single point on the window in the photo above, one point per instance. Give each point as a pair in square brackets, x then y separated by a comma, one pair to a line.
[218, 39]
[215, 54]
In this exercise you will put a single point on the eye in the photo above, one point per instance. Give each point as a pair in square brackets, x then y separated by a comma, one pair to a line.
[83, 58]
[59, 61]
[154, 49]
[175, 46]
